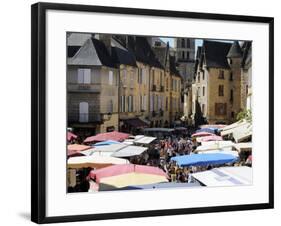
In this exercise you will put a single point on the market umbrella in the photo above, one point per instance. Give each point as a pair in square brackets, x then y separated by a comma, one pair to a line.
[119, 176]
[71, 136]
[211, 138]
[204, 159]
[208, 130]
[107, 142]
[217, 126]
[201, 134]
[75, 149]
[94, 161]
[214, 145]
[115, 136]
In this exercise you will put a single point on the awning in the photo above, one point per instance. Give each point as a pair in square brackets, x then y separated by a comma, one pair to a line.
[214, 145]
[222, 151]
[135, 122]
[225, 176]
[129, 151]
[243, 132]
[243, 146]
[233, 127]
[204, 159]
[144, 140]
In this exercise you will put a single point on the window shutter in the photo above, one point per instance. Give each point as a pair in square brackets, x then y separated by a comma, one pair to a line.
[87, 76]
[110, 77]
[151, 103]
[80, 76]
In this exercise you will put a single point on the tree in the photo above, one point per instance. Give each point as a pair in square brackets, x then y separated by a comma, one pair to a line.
[245, 114]
[199, 119]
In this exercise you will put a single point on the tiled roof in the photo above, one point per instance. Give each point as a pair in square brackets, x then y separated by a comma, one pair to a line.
[215, 53]
[235, 50]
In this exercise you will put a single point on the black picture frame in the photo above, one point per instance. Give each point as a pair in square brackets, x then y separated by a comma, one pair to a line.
[38, 110]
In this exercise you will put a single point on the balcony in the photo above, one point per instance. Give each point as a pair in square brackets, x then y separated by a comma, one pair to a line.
[84, 88]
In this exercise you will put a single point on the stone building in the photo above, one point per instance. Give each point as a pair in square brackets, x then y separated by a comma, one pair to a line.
[120, 82]
[92, 88]
[134, 86]
[246, 76]
[185, 55]
[217, 81]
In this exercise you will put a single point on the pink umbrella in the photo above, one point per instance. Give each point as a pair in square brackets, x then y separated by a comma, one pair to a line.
[211, 138]
[202, 134]
[218, 126]
[116, 170]
[116, 136]
[75, 149]
[71, 136]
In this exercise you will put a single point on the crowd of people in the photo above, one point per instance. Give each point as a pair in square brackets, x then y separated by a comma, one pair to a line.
[159, 154]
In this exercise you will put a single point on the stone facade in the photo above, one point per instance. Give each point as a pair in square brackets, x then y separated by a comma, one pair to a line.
[185, 57]
[105, 88]
[217, 82]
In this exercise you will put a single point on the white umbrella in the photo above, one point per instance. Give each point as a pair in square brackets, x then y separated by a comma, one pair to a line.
[94, 161]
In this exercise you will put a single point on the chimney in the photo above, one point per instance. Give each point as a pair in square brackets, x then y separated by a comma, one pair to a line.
[106, 39]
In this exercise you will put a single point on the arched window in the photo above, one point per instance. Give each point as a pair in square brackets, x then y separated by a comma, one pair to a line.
[83, 112]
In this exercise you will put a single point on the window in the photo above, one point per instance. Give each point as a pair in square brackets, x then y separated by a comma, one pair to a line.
[187, 43]
[198, 92]
[151, 103]
[220, 108]
[187, 55]
[122, 104]
[110, 106]
[167, 103]
[203, 75]
[124, 78]
[130, 104]
[221, 90]
[232, 114]
[247, 89]
[198, 76]
[231, 76]
[182, 42]
[110, 77]
[84, 76]
[221, 74]
[203, 91]
[203, 109]
[153, 77]
[157, 43]
[83, 112]
[143, 77]
[230, 61]
[183, 55]
[231, 95]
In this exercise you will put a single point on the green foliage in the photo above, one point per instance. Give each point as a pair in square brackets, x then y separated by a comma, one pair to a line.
[245, 114]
